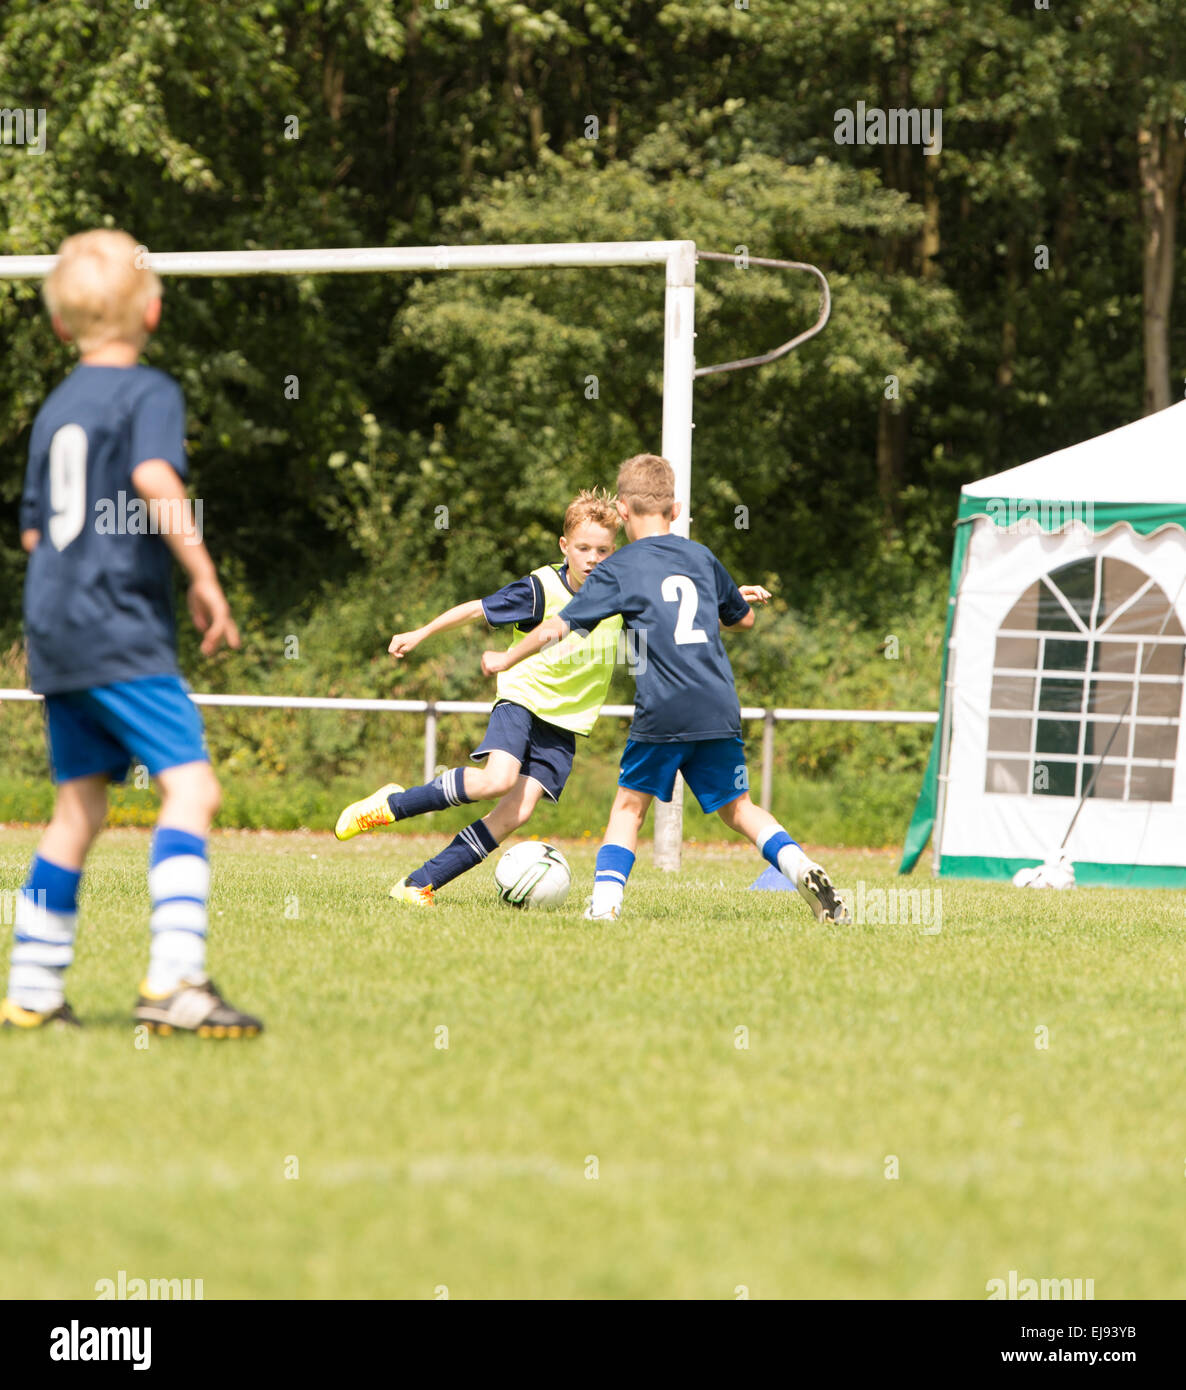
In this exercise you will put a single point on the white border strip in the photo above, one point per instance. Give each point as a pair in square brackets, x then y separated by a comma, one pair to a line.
[855, 716]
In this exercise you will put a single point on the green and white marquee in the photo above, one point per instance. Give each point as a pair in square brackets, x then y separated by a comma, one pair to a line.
[1063, 662]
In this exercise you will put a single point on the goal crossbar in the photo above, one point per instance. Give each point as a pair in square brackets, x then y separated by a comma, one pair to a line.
[678, 256]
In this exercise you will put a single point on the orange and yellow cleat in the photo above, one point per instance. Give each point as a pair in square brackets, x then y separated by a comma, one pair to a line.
[406, 892]
[371, 813]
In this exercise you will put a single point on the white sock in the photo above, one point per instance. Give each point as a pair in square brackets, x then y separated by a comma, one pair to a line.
[614, 863]
[793, 863]
[41, 955]
[179, 886]
[607, 894]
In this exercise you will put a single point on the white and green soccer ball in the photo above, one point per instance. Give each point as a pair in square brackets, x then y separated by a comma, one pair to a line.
[533, 874]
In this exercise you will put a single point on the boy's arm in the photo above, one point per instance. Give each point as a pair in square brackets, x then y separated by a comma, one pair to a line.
[733, 604]
[403, 642]
[519, 602]
[155, 480]
[29, 540]
[751, 593]
[599, 598]
[550, 631]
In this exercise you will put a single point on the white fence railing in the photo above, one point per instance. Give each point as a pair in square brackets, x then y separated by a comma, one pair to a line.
[432, 709]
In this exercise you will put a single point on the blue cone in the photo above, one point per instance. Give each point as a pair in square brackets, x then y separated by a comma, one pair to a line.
[771, 881]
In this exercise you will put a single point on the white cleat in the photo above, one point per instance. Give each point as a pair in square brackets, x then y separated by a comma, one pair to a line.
[611, 916]
[815, 885]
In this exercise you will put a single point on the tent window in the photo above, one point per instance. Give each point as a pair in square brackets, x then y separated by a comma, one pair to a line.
[1090, 658]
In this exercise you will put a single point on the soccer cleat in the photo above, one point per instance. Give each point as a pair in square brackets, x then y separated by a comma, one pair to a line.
[822, 898]
[611, 916]
[371, 813]
[406, 892]
[195, 1006]
[13, 1016]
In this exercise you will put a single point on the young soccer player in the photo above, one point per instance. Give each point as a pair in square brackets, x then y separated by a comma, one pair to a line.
[671, 591]
[531, 738]
[109, 443]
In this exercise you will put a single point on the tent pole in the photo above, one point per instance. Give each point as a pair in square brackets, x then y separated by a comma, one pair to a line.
[944, 749]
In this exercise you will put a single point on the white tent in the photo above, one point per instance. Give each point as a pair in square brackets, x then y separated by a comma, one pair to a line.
[1063, 667]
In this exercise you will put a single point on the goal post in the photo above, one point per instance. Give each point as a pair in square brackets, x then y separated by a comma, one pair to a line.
[679, 366]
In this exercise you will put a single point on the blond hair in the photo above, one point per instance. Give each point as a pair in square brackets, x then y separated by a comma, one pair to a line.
[100, 289]
[591, 504]
[646, 484]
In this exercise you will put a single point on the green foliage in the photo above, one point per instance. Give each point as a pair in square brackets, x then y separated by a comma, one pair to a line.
[372, 449]
[834, 783]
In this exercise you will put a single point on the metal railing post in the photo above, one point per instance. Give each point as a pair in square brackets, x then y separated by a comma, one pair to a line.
[768, 760]
[430, 742]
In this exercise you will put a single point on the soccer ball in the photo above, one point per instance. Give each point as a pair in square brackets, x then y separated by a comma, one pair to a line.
[533, 874]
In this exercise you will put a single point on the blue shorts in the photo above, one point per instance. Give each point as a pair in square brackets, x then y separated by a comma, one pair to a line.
[544, 751]
[102, 730]
[713, 767]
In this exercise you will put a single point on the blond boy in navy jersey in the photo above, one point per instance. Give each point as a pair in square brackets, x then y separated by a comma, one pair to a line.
[109, 442]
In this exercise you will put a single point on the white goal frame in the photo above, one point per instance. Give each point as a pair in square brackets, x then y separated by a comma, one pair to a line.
[679, 366]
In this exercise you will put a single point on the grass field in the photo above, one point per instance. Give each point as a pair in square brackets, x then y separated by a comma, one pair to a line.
[593, 1128]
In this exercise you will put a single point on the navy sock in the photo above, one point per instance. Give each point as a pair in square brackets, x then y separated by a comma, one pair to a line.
[466, 849]
[446, 790]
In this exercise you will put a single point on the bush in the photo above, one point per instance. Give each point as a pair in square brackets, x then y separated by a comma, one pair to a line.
[834, 783]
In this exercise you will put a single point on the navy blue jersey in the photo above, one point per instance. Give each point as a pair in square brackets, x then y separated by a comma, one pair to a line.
[670, 592]
[99, 587]
[519, 603]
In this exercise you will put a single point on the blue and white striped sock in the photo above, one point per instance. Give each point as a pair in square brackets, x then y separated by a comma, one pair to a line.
[179, 885]
[43, 936]
[446, 790]
[614, 863]
[784, 853]
[467, 848]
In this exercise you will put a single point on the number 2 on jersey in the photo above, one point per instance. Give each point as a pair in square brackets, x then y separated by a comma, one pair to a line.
[678, 588]
[67, 484]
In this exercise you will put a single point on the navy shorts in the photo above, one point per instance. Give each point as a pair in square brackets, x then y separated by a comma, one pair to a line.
[713, 767]
[544, 751]
[102, 730]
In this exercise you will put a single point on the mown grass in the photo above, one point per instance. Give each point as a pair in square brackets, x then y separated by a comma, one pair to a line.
[595, 1127]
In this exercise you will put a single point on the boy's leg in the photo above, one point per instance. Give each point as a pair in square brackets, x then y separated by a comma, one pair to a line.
[179, 875]
[514, 810]
[716, 772]
[786, 856]
[525, 758]
[615, 858]
[764, 832]
[456, 787]
[504, 746]
[47, 906]
[178, 994]
[647, 770]
[80, 809]
[470, 846]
